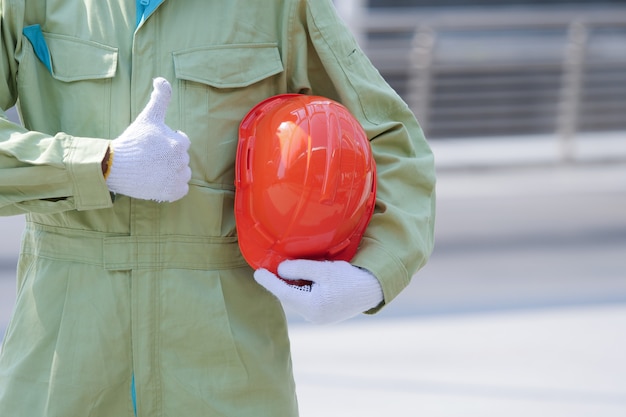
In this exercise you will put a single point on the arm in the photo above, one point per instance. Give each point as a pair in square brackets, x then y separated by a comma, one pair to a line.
[147, 161]
[399, 238]
[41, 172]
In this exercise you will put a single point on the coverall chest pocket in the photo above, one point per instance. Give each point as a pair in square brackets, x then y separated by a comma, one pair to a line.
[65, 84]
[218, 85]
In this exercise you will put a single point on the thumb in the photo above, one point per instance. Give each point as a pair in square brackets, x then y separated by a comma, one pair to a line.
[268, 280]
[159, 100]
[274, 284]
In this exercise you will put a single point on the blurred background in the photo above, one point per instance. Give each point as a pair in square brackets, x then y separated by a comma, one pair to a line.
[522, 307]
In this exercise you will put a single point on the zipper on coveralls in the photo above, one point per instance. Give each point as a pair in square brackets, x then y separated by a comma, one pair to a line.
[142, 10]
[133, 394]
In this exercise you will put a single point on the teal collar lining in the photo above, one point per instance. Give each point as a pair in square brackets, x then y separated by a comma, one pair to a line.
[145, 8]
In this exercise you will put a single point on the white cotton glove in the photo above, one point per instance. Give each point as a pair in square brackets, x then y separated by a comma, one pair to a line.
[338, 290]
[150, 160]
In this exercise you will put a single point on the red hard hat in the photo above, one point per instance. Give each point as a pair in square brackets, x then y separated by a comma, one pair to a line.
[305, 181]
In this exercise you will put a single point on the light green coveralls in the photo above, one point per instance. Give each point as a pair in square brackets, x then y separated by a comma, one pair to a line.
[128, 307]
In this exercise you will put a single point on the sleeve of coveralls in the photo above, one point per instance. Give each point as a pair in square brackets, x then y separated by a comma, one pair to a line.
[38, 172]
[399, 238]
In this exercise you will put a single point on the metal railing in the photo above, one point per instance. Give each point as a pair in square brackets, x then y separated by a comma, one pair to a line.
[504, 71]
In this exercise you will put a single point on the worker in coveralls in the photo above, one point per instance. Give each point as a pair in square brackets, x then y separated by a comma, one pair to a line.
[133, 296]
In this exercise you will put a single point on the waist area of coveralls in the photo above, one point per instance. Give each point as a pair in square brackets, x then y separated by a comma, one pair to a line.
[127, 252]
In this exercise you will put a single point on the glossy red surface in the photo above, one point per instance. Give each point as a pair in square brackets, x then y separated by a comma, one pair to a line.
[305, 181]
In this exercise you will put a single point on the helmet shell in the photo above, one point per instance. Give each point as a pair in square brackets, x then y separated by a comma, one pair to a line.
[305, 181]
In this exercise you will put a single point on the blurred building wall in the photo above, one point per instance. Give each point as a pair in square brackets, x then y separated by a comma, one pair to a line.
[499, 68]
[456, 3]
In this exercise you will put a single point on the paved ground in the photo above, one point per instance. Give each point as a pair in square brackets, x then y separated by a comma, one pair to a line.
[540, 363]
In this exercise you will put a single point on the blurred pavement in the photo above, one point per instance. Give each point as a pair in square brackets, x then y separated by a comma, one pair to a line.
[520, 312]
[566, 362]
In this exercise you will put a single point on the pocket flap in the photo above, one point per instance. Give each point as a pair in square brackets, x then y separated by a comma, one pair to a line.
[228, 66]
[78, 59]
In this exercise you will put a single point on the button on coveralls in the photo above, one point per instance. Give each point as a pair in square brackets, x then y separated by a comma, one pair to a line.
[128, 307]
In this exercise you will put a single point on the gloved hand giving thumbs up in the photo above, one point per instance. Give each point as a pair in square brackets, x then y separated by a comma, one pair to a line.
[150, 161]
